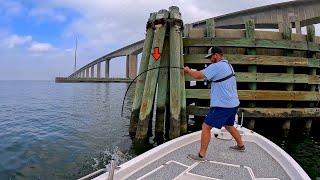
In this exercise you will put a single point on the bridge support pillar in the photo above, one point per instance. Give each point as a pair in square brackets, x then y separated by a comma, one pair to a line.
[127, 66]
[107, 67]
[131, 66]
[87, 73]
[99, 70]
[92, 71]
[83, 74]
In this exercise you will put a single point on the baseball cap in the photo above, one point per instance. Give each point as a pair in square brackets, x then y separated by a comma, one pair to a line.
[212, 51]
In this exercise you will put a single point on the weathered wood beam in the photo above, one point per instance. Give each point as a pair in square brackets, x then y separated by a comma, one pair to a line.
[271, 77]
[141, 80]
[264, 112]
[210, 27]
[184, 117]
[248, 43]
[162, 97]
[257, 60]
[260, 95]
[311, 31]
[175, 91]
[187, 29]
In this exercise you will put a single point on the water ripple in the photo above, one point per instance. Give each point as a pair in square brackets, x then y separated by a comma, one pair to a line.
[60, 131]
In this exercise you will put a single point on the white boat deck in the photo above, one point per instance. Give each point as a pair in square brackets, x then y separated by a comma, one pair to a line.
[261, 160]
[223, 163]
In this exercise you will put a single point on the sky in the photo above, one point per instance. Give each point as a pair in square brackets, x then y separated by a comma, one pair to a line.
[37, 38]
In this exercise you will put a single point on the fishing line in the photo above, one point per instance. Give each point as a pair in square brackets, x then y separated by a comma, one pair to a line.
[124, 98]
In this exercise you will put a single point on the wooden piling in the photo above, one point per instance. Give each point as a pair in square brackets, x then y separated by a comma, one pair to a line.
[287, 31]
[141, 80]
[250, 34]
[286, 127]
[175, 92]
[162, 96]
[210, 27]
[311, 36]
[311, 33]
[152, 114]
[287, 35]
[151, 79]
[167, 112]
[187, 28]
[184, 118]
[308, 125]
[250, 29]
[251, 124]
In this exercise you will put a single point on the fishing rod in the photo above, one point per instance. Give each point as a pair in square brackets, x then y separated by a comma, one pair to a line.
[139, 76]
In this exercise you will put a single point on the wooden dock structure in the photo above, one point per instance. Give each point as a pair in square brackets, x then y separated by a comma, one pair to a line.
[277, 73]
[277, 69]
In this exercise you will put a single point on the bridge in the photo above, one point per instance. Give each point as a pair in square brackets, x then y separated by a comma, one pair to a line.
[295, 14]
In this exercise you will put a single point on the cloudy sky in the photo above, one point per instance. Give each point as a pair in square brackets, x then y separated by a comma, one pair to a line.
[37, 37]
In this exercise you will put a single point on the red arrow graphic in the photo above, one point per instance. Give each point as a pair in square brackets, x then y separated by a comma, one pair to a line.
[156, 55]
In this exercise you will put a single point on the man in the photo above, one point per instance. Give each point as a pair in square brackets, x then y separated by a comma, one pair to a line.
[224, 100]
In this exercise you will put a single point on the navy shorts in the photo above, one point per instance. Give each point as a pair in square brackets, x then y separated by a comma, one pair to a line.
[219, 116]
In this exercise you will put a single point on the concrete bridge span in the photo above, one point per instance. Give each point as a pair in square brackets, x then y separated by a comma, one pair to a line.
[131, 52]
[296, 14]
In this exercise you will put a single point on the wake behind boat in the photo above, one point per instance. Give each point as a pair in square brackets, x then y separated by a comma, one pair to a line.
[262, 160]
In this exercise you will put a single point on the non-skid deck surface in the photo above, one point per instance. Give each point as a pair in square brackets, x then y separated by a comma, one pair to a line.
[223, 163]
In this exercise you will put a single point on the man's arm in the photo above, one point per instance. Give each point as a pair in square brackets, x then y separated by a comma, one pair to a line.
[194, 74]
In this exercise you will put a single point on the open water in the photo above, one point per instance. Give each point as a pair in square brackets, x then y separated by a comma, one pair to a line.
[65, 131]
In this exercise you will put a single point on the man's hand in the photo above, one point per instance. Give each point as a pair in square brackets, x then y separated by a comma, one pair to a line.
[193, 73]
[187, 69]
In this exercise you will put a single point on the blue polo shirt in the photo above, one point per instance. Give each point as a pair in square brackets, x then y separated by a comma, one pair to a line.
[223, 94]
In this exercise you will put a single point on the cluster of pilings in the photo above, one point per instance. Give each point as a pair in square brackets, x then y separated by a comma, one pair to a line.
[161, 89]
[270, 68]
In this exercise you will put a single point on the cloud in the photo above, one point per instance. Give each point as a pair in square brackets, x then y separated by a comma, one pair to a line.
[10, 8]
[69, 50]
[22, 64]
[14, 40]
[43, 13]
[118, 23]
[105, 26]
[41, 47]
